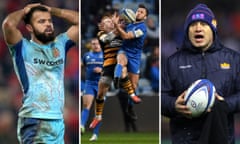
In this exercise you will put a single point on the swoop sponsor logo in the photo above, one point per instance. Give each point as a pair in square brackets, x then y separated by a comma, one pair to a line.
[47, 62]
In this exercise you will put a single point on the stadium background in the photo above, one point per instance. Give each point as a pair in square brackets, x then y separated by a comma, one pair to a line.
[10, 91]
[173, 14]
[148, 111]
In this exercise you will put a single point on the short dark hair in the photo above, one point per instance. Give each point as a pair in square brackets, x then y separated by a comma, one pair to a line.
[34, 1]
[143, 6]
[28, 16]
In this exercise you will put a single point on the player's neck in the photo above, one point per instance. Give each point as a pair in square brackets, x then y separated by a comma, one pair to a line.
[34, 39]
[139, 21]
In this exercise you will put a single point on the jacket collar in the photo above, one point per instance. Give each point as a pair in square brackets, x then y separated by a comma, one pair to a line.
[187, 45]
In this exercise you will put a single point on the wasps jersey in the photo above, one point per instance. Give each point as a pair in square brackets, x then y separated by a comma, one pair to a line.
[110, 49]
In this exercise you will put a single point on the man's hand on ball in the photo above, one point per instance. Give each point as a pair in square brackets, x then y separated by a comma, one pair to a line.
[181, 107]
[218, 97]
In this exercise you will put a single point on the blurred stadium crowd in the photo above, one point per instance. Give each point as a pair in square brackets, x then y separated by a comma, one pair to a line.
[91, 15]
[173, 17]
[10, 91]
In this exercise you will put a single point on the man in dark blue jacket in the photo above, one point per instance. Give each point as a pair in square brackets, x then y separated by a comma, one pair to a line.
[201, 56]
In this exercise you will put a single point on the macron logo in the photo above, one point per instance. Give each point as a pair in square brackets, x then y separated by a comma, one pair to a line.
[198, 16]
[185, 67]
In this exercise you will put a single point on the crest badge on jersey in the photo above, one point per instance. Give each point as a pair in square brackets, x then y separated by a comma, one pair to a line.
[55, 52]
[225, 65]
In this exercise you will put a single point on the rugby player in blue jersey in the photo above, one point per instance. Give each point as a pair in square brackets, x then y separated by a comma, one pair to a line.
[110, 42]
[93, 62]
[39, 66]
[129, 55]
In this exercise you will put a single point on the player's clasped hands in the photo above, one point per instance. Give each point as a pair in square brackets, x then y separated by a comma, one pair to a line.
[29, 6]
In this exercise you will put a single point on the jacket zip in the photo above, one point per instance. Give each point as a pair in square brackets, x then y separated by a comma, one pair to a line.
[204, 69]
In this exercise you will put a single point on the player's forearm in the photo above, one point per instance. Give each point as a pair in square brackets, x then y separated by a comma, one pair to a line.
[13, 19]
[122, 33]
[68, 15]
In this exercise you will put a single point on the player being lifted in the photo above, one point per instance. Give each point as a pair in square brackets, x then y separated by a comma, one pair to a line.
[111, 43]
[39, 66]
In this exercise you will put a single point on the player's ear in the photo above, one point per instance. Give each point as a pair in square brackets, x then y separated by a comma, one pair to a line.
[29, 28]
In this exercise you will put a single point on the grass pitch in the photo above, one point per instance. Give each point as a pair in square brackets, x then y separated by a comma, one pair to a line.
[122, 138]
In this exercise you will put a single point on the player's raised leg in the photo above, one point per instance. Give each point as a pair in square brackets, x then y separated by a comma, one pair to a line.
[103, 86]
[118, 71]
[124, 81]
[127, 85]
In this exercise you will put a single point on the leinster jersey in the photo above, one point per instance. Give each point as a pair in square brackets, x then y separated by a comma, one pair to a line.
[92, 60]
[134, 47]
[40, 70]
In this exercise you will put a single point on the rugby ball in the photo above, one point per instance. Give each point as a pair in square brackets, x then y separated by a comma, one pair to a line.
[128, 15]
[200, 96]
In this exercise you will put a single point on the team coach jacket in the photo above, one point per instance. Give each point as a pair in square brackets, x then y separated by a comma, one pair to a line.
[219, 64]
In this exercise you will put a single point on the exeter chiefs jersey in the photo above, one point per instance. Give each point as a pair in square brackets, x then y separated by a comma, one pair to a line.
[133, 47]
[40, 70]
